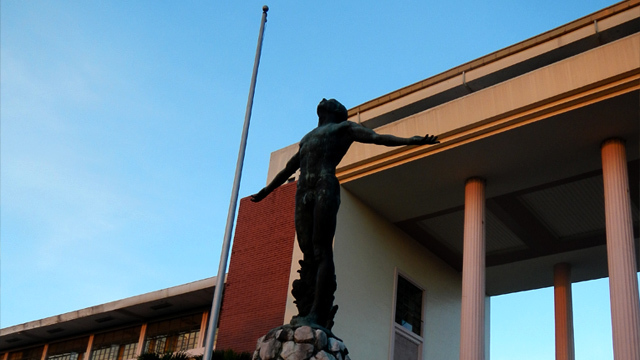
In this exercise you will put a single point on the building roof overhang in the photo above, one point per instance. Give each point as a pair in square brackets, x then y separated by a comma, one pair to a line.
[165, 303]
[591, 31]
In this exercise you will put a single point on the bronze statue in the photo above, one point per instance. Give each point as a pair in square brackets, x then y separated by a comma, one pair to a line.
[317, 202]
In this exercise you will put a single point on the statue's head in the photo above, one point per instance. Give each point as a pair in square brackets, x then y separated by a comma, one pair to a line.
[333, 107]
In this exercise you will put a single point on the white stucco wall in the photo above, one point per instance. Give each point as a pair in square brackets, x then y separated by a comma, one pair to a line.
[368, 249]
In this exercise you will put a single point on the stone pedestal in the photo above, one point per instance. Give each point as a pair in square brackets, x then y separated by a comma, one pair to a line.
[300, 343]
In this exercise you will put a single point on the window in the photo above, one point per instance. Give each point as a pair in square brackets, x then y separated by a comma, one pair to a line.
[127, 351]
[175, 342]
[409, 306]
[66, 356]
[68, 350]
[115, 345]
[173, 335]
[27, 354]
[107, 353]
[115, 352]
[407, 334]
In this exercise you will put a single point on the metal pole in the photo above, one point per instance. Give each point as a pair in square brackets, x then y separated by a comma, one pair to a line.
[217, 297]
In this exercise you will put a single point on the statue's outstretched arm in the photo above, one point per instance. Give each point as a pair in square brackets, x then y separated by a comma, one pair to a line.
[292, 165]
[366, 135]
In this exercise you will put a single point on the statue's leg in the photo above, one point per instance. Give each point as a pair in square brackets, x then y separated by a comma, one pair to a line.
[325, 214]
[304, 225]
[303, 289]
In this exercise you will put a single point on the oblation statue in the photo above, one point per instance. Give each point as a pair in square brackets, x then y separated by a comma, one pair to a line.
[317, 203]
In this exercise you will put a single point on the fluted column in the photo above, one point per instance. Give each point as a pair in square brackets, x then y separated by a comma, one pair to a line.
[563, 312]
[472, 324]
[623, 283]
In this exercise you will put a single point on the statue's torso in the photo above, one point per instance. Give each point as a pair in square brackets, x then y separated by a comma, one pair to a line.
[321, 150]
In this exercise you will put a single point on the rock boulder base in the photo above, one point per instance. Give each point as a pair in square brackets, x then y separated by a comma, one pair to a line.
[299, 343]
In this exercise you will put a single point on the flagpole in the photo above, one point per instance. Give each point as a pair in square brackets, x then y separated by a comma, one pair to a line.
[217, 296]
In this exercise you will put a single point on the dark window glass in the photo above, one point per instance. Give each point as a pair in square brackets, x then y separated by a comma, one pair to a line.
[27, 354]
[409, 306]
[116, 345]
[173, 335]
[68, 350]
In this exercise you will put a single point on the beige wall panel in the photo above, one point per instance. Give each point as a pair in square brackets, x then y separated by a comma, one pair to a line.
[530, 53]
[367, 251]
[537, 86]
[279, 159]
[620, 18]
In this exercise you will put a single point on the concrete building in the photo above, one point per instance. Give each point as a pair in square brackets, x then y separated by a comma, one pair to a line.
[172, 319]
[535, 183]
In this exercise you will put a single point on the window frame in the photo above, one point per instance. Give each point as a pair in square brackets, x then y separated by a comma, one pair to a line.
[395, 327]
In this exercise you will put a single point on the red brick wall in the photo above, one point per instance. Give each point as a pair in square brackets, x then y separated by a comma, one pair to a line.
[258, 277]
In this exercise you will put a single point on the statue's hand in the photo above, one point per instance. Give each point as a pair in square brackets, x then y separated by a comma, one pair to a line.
[260, 195]
[427, 140]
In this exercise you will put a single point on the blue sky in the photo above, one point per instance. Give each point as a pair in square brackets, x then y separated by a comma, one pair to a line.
[120, 126]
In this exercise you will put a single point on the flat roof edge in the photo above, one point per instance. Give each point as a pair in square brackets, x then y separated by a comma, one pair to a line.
[113, 305]
[496, 55]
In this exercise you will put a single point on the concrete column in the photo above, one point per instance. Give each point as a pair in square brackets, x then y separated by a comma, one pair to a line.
[472, 325]
[140, 346]
[563, 312]
[203, 328]
[87, 353]
[45, 352]
[623, 283]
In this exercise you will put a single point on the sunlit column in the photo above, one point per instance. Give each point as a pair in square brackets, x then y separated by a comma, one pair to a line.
[87, 353]
[203, 328]
[563, 312]
[140, 346]
[472, 325]
[623, 283]
[45, 352]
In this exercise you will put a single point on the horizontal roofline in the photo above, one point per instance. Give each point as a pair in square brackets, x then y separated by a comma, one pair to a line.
[112, 306]
[496, 55]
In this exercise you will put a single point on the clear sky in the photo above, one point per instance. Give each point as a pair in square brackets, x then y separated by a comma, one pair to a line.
[121, 121]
